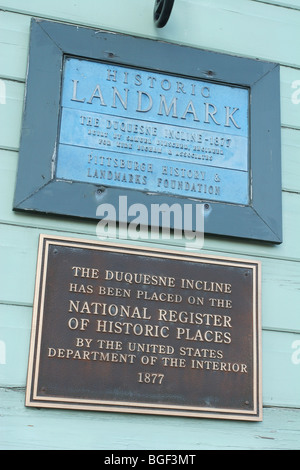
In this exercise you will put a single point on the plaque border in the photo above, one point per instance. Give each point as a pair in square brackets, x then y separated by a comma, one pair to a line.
[34, 400]
[37, 189]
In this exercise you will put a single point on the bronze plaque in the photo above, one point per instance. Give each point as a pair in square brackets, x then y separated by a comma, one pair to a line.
[142, 330]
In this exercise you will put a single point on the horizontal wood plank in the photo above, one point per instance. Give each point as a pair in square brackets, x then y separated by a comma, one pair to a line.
[11, 114]
[276, 29]
[281, 368]
[280, 357]
[14, 44]
[290, 97]
[290, 142]
[37, 429]
[288, 250]
[294, 4]
[18, 250]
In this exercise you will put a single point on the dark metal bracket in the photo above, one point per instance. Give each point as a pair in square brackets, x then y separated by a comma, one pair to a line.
[162, 12]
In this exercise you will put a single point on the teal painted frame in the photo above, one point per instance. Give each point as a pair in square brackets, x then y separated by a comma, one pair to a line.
[37, 189]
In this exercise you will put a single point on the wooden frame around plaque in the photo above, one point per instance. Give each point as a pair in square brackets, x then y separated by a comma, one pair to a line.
[243, 200]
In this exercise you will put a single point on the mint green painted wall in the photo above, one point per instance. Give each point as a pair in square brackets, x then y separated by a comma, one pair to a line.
[269, 30]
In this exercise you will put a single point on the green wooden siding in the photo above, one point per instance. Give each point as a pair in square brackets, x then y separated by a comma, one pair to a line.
[268, 30]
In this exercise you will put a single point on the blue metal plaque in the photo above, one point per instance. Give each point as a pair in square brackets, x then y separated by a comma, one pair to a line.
[153, 132]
